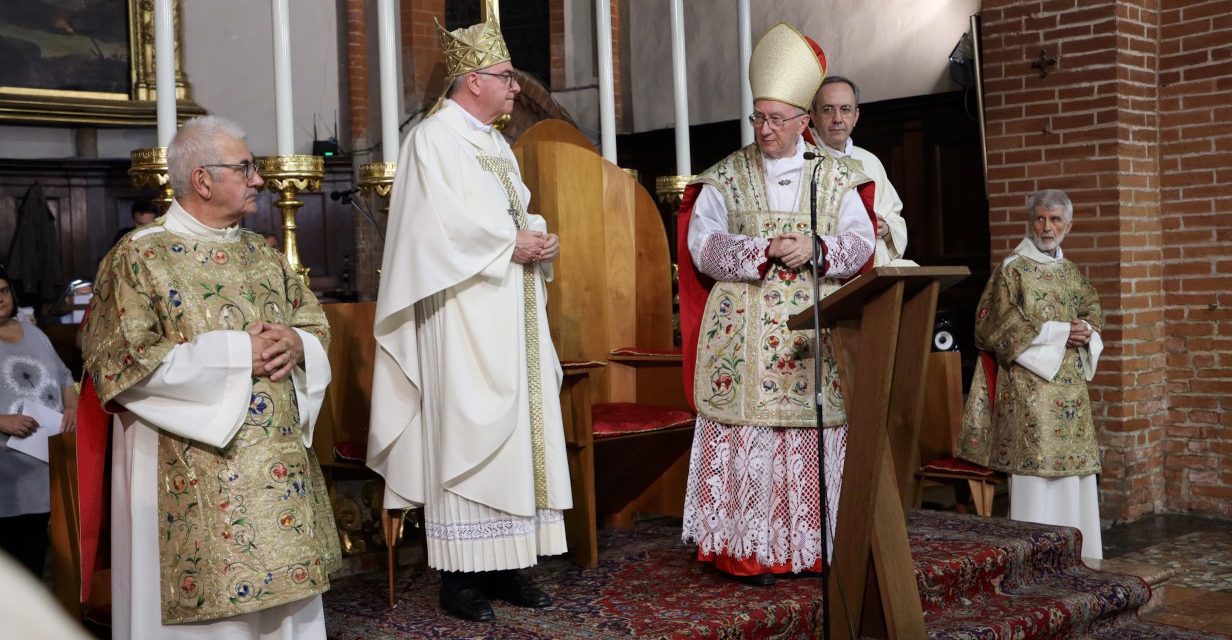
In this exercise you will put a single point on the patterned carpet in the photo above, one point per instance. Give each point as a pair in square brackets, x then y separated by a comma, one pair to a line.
[979, 578]
[1211, 569]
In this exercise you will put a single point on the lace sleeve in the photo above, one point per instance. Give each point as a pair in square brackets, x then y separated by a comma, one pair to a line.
[727, 257]
[845, 254]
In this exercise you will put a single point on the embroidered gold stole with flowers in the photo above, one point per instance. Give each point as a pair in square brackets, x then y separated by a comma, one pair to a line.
[752, 369]
[248, 526]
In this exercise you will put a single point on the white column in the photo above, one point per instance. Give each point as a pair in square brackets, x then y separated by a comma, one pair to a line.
[680, 90]
[607, 81]
[164, 70]
[746, 52]
[387, 24]
[283, 116]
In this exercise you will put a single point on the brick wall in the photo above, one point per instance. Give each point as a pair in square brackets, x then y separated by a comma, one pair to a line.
[423, 70]
[1133, 121]
[1195, 130]
[1089, 127]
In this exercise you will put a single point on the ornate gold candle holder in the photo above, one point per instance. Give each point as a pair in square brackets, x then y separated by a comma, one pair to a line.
[288, 176]
[670, 189]
[149, 169]
[377, 178]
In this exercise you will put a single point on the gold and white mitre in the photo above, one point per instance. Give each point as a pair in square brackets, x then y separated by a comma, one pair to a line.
[784, 68]
[473, 48]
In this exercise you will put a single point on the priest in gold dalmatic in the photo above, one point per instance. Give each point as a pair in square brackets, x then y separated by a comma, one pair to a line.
[466, 414]
[752, 505]
[1029, 412]
[210, 351]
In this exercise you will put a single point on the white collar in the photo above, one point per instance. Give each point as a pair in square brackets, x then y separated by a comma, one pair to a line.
[471, 120]
[179, 221]
[1028, 250]
[782, 165]
[835, 152]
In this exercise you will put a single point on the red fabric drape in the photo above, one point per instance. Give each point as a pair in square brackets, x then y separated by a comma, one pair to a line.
[92, 448]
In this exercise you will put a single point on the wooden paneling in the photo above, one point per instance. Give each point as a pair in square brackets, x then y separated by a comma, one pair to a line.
[91, 199]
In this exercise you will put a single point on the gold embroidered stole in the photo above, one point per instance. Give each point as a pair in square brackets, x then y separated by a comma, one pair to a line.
[248, 526]
[503, 168]
[751, 369]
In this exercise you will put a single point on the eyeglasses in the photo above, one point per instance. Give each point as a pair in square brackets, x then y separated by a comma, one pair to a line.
[247, 167]
[776, 121]
[829, 109]
[509, 76]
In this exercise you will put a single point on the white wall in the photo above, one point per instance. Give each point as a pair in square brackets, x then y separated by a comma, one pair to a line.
[890, 48]
[229, 59]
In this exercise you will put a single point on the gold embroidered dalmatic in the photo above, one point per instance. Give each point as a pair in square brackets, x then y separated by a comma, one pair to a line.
[249, 526]
[1037, 427]
[752, 369]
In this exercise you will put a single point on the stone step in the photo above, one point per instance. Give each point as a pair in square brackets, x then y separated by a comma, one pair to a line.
[1158, 578]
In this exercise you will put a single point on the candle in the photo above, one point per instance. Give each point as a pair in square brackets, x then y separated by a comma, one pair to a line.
[283, 118]
[607, 91]
[387, 23]
[746, 52]
[164, 70]
[680, 90]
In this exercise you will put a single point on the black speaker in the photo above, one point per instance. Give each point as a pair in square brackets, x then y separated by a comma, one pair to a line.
[944, 338]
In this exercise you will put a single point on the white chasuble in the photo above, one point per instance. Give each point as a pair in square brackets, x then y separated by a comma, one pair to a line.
[463, 421]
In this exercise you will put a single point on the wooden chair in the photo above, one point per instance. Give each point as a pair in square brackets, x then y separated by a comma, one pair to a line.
[939, 432]
[611, 302]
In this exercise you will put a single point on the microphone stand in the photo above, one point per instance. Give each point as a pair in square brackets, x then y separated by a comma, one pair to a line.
[347, 197]
[817, 398]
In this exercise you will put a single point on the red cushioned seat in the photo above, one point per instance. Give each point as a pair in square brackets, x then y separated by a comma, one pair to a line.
[624, 418]
[957, 466]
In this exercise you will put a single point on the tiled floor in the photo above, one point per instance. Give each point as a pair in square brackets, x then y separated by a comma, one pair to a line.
[1199, 553]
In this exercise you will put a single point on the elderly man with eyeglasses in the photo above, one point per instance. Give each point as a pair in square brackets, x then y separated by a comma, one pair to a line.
[835, 112]
[210, 350]
[752, 504]
[466, 417]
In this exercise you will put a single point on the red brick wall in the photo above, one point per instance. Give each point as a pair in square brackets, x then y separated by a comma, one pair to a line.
[1090, 128]
[423, 70]
[1195, 130]
[1135, 122]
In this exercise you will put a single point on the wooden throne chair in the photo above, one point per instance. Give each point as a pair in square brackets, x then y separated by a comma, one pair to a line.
[628, 424]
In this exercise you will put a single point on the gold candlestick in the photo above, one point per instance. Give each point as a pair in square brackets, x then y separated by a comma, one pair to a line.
[670, 189]
[149, 169]
[377, 178]
[288, 176]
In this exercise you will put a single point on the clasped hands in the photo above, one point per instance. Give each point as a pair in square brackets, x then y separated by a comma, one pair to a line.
[1079, 334]
[535, 246]
[792, 249]
[276, 349]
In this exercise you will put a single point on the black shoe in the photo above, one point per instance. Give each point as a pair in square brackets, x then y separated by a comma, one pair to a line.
[757, 580]
[514, 588]
[460, 597]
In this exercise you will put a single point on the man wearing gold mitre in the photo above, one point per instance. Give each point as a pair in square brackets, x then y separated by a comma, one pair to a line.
[753, 502]
[466, 416]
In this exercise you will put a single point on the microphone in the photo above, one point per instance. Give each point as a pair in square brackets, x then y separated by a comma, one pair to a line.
[809, 155]
[339, 195]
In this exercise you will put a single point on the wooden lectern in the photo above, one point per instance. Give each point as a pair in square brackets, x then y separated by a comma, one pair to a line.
[881, 327]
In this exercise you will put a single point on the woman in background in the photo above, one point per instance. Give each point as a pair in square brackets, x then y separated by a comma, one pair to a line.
[30, 371]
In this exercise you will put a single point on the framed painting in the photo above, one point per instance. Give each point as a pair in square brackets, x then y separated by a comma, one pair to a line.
[83, 62]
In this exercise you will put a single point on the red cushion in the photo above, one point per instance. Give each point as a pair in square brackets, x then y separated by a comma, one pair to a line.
[621, 418]
[350, 452]
[957, 465]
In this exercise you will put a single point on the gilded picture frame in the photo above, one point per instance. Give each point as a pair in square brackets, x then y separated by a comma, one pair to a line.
[87, 62]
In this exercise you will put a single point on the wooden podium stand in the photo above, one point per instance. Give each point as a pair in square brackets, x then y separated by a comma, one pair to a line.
[881, 327]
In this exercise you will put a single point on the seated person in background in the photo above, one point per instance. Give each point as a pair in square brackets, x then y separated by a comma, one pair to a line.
[143, 213]
[30, 371]
[271, 239]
